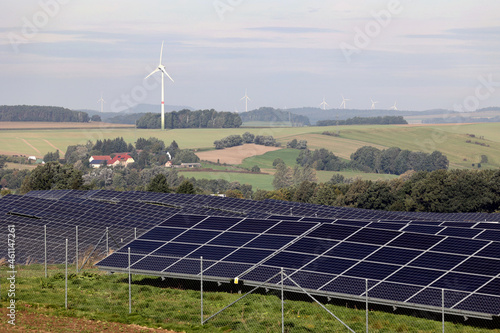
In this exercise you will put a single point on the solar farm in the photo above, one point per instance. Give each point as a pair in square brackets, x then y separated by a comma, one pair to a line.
[429, 261]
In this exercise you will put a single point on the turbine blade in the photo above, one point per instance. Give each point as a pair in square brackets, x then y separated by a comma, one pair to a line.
[165, 72]
[156, 70]
[161, 52]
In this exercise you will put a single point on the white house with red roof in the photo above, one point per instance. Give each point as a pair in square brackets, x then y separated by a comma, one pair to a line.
[124, 159]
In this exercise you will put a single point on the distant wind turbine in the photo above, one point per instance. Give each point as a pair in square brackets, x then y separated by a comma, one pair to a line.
[343, 101]
[101, 100]
[161, 69]
[246, 98]
[394, 107]
[373, 103]
[324, 104]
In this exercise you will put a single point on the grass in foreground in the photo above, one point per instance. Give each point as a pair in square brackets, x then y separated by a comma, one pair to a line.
[99, 296]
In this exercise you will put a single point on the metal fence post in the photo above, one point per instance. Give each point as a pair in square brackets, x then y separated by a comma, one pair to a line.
[129, 285]
[107, 240]
[442, 307]
[201, 287]
[76, 246]
[66, 279]
[366, 303]
[45, 246]
[282, 304]
[135, 233]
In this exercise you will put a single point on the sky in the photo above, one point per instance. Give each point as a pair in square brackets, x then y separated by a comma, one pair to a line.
[421, 55]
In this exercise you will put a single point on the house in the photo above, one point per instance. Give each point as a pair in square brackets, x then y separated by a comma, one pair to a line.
[190, 165]
[124, 159]
[99, 158]
[121, 159]
[168, 164]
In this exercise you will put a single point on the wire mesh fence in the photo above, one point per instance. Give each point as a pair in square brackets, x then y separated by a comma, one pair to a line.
[273, 300]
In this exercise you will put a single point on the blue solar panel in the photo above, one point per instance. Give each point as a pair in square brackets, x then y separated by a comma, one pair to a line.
[250, 256]
[459, 281]
[348, 241]
[311, 245]
[459, 246]
[196, 236]
[393, 291]
[329, 265]
[162, 234]
[482, 266]
[332, 231]
[394, 255]
[232, 239]
[437, 260]
[369, 270]
[351, 250]
[373, 236]
[273, 242]
[417, 276]
[416, 241]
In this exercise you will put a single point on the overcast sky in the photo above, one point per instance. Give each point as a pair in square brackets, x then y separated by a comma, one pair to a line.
[423, 54]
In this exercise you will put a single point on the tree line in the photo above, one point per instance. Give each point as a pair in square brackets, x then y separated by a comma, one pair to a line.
[191, 119]
[247, 137]
[370, 159]
[41, 113]
[385, 120]
[268, 114]
[444, 191]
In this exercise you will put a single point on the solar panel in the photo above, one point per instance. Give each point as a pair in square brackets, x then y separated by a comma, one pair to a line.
[407, 257]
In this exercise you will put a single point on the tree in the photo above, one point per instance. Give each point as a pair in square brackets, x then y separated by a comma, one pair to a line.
[186, 187]
[278, 161]
[234, 194]
[248, 137]
[282, 177]
[51, 157]
[255, 169]
[292, 144]
[158, 184]
[53, 176]
[3, 159]
[95, 117]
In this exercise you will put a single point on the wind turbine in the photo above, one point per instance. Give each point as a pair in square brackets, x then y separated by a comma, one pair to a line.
[373, 103]
[394, 107]
[102, 102]
[343, 101]
[161, 69]
[324, 104]
[246, 98]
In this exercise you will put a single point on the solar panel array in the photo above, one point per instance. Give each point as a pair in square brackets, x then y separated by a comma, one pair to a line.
[407, 257]
[406, 267]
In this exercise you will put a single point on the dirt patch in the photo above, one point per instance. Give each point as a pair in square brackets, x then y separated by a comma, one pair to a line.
[235, 155]
[27, 321]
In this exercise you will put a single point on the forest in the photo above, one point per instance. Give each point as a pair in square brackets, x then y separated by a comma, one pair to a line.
[268, 114]
[191, 119]
[385, 120]
[41, 113]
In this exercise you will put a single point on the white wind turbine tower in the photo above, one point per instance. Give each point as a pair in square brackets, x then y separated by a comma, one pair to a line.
[161, 69]
[373, 103]
[246, 98]
[343, 101]
[394, 107]
[101, 100]
[324, 104]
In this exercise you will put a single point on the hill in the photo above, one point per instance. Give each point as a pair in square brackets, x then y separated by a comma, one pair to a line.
[41, 113]
[271, 115]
